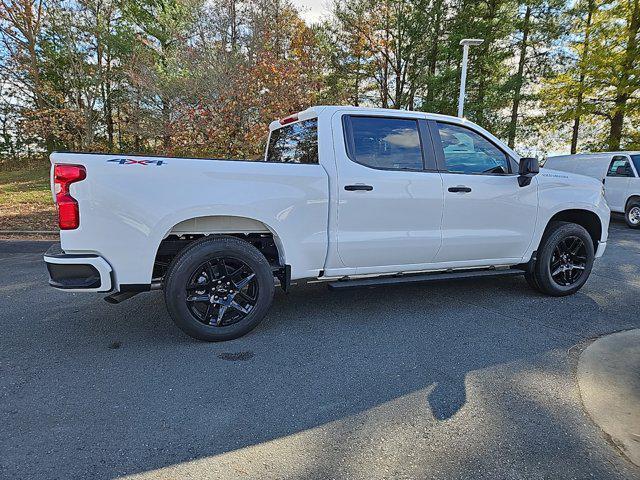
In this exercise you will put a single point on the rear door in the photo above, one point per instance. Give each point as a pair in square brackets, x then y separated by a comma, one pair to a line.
[616, 185]
[487, 215]
[390, 194]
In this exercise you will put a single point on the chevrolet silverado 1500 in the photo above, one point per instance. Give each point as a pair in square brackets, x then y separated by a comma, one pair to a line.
[349, 195]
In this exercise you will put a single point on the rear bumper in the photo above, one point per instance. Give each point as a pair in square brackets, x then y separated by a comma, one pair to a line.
[601, 248]
[77, 272]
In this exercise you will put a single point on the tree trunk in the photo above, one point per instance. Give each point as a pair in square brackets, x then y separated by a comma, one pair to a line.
[166, 124]
[356, 86]
[433, 54]
[579, 99]
[617, 124]
[519, 77]
[31, 29]
[624, 89]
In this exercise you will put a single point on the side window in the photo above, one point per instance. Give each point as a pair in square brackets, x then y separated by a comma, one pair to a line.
[387, 143]
[295, 143]
[636, 162]
[620, 167]
[466, 151]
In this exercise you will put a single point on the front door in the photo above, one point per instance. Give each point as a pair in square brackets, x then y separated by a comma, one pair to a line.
[389, 203]
[616, 184]
[487, 215]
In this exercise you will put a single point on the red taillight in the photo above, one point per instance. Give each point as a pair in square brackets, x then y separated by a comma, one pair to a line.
[68, 211]
[289, 119]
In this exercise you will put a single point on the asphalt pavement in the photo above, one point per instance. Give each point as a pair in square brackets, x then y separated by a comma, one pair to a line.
[470, 379]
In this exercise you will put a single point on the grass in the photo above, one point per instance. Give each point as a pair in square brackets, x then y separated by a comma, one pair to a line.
[25, 200]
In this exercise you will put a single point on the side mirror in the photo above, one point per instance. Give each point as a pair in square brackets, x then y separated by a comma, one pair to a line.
[528, 168]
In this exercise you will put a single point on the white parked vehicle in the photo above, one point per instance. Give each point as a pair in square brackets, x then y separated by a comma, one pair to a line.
[618, 171]
[348, 195]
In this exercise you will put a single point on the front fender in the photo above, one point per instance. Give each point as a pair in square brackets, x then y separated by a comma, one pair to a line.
[557, 196]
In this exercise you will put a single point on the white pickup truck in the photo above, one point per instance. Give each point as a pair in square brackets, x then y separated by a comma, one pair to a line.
[349, 195]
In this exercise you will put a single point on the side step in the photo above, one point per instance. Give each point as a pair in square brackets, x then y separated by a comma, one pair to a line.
[119, 297]
[422, 277]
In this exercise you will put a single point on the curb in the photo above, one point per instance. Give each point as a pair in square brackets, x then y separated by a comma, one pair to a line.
[609, 382]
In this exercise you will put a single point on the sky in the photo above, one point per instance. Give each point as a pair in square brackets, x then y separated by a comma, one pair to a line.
[312, 10]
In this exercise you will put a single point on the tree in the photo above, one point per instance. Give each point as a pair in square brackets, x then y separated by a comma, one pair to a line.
[389, 39]
[538, 28]
[616, 56]
[590, 7]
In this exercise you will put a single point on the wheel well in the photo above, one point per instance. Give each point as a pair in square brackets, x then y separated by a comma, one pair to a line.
[629, 200]
[589, 220]
[188, 231]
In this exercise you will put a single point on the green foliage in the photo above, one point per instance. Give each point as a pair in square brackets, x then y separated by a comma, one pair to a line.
[598, 89]
[199, 78]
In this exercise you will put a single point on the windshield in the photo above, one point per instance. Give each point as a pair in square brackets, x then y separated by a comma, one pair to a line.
[636, 162]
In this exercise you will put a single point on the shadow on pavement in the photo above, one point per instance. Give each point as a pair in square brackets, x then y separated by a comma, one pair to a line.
[463, 374]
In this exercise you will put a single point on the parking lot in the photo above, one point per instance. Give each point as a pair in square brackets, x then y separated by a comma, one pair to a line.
[473, 379]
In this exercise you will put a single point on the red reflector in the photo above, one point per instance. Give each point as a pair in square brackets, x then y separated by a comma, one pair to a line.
[68, 211]
[289, 119]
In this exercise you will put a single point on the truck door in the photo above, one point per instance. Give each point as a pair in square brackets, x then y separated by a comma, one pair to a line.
[389, 192]
[487, 215]
[616, 184]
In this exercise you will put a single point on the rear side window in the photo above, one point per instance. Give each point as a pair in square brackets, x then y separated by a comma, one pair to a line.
[636, 162]
[295, 143]
[620, 167]
[384, 143]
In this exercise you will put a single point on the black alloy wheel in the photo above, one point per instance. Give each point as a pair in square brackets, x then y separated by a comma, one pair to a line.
[222, 291]
[568, 261]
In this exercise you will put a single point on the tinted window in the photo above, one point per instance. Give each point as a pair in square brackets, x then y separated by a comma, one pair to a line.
[295, 143]
[620, 167]
[466, 151]
[636, 162]
[389, 143]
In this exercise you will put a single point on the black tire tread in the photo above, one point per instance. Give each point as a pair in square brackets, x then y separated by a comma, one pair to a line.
[186, 322]
[541, 275]
[630, 205]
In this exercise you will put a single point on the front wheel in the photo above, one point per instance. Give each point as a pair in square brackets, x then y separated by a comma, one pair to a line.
[632, 214]
[218, 288]
[564, 260]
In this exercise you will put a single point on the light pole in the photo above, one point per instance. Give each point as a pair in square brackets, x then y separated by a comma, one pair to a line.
[465, 42]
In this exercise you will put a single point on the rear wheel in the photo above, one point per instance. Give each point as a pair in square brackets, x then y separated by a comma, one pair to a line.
[218, 288]
[564, 260]
[632, 214]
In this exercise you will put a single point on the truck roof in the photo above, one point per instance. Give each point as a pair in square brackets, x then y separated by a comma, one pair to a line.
[314, 112]
[596, 154]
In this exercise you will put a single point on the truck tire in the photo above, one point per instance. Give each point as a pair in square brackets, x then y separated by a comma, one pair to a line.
[564, 259]
[632, 214]
[531, 280]
[218, 288]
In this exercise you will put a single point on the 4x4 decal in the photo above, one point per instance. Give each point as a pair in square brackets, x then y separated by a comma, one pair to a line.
[130, 161]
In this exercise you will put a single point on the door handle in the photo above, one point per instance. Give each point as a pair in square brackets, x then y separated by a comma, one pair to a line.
[353, 188]
[459, 189]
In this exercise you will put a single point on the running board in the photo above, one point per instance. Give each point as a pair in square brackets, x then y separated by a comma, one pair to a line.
[422, 277]
[119, 297]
